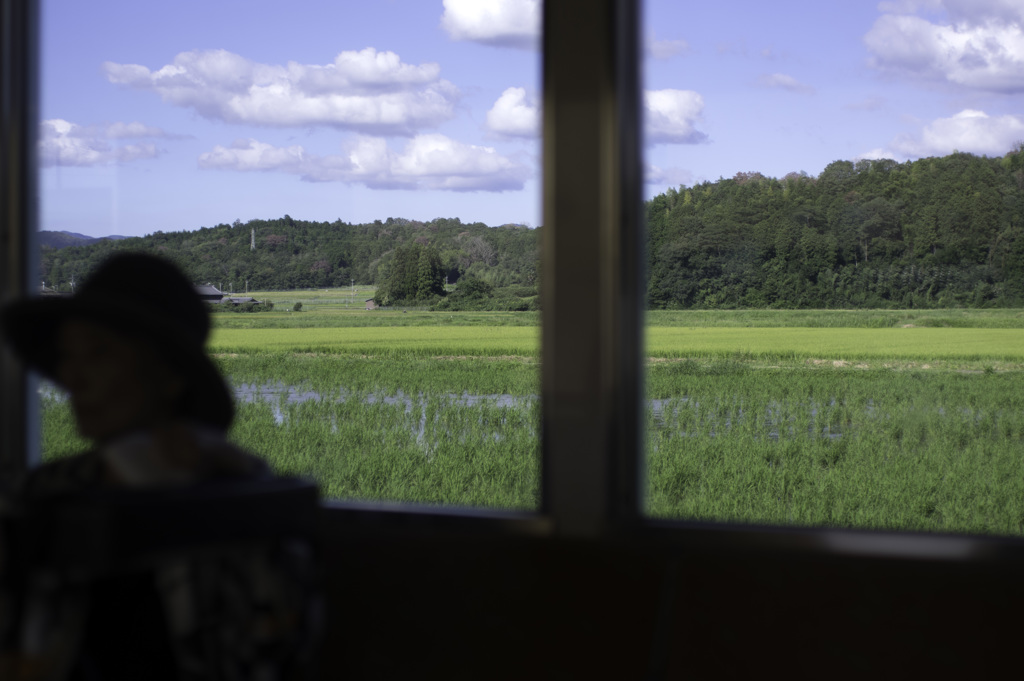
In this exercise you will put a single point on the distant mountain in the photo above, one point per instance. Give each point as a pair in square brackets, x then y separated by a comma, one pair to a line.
[65, 239]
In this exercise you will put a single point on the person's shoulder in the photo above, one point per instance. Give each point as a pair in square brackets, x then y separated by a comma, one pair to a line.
[77, 473]
[222, 459]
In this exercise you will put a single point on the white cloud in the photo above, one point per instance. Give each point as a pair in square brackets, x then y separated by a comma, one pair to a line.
[252, 154]
[970, 131]
[134, 130]
[970, 12]
[664, 49]
[430, 161]
[671, 177]
[978, 12]
[514, 114]
[63, 143]
[367, 91]
[672, 115]
[979, 45]
[784, 82]
[504, 23]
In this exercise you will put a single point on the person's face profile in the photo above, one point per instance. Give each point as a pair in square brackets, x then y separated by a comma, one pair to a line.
[116, 383]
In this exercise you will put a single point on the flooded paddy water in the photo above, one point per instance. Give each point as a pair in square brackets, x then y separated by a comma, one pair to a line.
[682, 416]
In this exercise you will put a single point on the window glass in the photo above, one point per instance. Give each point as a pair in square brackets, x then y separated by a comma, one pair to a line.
[356, 187]
[834, 206]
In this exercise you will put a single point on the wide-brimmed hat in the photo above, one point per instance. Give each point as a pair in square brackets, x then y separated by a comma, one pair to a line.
[140, 296]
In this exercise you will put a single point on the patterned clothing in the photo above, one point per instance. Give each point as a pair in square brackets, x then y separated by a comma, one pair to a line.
[237, 612]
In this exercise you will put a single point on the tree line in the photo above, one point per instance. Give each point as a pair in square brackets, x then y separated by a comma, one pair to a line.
[936, 232]
[294, 254]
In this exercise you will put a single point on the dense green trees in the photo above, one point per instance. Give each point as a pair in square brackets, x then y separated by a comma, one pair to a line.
[415, 274]
[294, 253]
[930, 233]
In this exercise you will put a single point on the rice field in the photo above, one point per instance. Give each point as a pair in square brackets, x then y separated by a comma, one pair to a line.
[845, 447]
[398, 341]
[668, 342]
[873, 419]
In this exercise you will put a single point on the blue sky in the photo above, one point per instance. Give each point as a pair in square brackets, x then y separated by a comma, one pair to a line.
[171, 116]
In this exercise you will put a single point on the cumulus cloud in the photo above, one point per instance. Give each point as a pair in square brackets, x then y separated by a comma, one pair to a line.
[514, 114]
[671, 177]
[134, 130]
[980, 11]
[664, 49]
[63, 143]
[783, 82]
[503, 23]
[971, 131]
[430, 161]
[672, 115]
[979, 44]
[367, 91]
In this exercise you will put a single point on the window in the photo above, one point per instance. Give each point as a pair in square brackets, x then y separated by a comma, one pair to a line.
[803, 366]
[591, 346]
[304, 168]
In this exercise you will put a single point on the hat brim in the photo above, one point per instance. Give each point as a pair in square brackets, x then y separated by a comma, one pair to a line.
[30, 327]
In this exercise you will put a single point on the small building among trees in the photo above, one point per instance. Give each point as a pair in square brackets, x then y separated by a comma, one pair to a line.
[209, 293]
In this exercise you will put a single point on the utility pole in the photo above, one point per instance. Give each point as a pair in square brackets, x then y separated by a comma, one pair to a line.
[252, 240]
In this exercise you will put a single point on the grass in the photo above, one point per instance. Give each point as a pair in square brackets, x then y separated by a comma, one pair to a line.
[841, 447]
[424, 450]
[871, 419]
[419, 341]
[444, 340]
[970, 344]
[1000, 318]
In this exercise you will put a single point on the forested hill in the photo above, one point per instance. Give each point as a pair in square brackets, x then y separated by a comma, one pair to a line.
[930, 233]
[936, 232]
[293, 254]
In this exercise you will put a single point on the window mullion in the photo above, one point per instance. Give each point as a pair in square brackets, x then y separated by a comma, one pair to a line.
[19, 118]
[591, 293]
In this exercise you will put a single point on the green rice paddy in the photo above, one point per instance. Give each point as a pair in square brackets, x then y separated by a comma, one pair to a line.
[767, 343]
[873, 419]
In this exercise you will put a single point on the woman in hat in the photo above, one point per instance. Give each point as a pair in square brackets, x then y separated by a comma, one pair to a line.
[129, 350]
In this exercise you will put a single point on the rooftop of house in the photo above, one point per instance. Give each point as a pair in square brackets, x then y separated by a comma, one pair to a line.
[209, 291]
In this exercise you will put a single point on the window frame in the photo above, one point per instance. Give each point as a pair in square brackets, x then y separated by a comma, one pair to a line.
[19, 116]
[592, 319]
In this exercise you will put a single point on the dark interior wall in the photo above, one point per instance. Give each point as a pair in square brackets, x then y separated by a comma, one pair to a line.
[403, 606]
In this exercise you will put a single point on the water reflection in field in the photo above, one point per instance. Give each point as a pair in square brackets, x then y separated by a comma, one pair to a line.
[682, 416]
[277, 394]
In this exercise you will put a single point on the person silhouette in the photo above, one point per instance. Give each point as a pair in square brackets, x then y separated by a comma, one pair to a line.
[128, 348]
